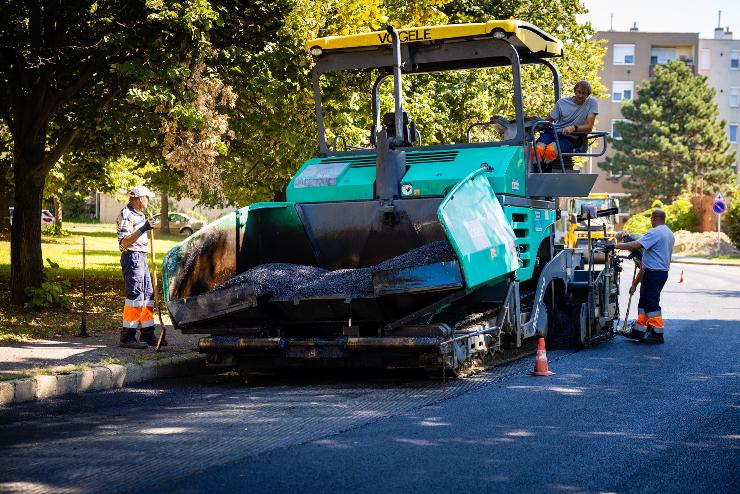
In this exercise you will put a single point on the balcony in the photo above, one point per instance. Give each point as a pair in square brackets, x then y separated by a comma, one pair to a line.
[687, 61]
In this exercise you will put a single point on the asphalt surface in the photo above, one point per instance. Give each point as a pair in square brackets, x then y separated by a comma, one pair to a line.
[619, 417]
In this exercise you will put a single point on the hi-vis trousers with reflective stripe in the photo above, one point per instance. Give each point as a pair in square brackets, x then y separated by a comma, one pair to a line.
[649, 305]
[139, 306]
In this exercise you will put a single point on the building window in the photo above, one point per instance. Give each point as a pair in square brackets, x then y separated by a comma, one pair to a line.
[615, 134]
[735, 60]
[733, 133]
[734, 97]
[705, 59]
[622, 90]
[624, 54]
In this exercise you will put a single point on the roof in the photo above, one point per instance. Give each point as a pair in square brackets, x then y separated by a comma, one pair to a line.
[521, 34]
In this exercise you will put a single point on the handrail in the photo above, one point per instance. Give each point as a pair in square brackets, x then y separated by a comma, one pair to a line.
[477, 124]
[546, 123]
[590, 135]
[336, 140]
[586, 135]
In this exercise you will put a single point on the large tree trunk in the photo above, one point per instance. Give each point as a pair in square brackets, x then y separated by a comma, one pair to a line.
[26, 262]
[58, 212]
[165, 211]
[4, 203]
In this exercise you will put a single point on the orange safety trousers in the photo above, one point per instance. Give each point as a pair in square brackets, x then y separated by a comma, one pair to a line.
[649, 311]
[138, 309]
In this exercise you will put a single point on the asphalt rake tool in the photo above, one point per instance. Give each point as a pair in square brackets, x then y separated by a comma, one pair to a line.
[153, 260]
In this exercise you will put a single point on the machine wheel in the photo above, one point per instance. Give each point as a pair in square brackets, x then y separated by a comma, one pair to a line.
[186, 231]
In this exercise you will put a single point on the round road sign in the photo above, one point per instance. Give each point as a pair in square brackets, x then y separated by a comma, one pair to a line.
[719, 207]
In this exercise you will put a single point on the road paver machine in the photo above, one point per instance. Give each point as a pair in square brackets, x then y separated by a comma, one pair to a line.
[399, 255]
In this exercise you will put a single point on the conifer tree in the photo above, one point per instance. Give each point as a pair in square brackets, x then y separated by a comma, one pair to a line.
[672, 141]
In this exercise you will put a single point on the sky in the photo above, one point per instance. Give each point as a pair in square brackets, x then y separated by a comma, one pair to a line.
[684, 16]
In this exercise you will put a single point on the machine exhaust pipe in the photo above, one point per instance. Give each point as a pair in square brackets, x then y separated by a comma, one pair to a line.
[391, 163]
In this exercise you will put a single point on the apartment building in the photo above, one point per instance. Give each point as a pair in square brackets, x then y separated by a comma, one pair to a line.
[719, 60]
[632, 57]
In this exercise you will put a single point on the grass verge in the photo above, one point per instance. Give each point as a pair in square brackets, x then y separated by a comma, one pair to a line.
[105, 288]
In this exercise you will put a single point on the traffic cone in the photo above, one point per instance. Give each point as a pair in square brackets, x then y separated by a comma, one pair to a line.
[540, 363]
[681, 278]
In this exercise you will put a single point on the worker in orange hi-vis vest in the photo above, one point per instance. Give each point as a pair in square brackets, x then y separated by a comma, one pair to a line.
[656, 260]
[138, 310]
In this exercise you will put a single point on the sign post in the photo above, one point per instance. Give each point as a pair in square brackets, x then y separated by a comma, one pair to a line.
[719, 206]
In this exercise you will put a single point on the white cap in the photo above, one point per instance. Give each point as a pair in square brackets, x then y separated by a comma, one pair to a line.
[140, 191]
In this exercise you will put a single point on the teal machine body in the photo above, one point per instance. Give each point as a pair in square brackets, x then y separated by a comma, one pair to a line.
[357, 209]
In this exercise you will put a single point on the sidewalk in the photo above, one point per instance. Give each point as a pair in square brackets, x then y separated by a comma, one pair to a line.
[40, 369]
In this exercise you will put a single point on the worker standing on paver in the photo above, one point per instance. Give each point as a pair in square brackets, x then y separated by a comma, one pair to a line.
[656, 260]
[138, 310]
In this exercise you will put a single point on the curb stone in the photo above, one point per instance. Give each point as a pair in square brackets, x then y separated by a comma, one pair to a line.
[703, 262]
[98, 378]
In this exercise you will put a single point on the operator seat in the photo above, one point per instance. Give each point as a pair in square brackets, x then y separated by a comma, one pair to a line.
[409, 127]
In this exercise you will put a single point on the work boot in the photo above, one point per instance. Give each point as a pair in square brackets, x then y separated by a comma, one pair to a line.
[149, 338]
[634, 334]
[551, 153]
[127, 339]
[540, 151]
[652, 337]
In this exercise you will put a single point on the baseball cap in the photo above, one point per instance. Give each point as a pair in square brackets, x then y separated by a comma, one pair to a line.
[140, 191]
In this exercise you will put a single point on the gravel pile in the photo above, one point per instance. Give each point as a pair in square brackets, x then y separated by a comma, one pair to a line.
[293, 281]
[703, 244]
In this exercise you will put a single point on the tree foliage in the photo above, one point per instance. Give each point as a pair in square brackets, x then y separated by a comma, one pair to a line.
[672, 141]
[212, 98]
[275, 124]
[96, 80]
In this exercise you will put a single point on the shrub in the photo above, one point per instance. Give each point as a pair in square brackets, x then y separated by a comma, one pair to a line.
[51, 294]
[639, 223]
[731, 218]
[679, 216]
[54, 230]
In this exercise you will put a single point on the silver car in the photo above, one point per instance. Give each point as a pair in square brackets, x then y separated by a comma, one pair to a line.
[181, 223]
[47, 218]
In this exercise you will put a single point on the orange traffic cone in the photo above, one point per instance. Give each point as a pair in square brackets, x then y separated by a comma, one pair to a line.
[540, 363]
[681, 278]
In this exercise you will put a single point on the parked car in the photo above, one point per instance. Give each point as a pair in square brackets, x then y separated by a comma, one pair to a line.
[46, 217]
[181, 223]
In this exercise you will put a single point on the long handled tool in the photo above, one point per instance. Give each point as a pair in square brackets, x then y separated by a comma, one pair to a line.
[83, 325]
[623, 329]
[163, 333]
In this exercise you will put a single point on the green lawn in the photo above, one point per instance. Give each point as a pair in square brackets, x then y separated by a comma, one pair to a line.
[104, 282]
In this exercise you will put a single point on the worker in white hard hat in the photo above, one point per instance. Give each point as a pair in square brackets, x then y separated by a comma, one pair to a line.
[138, 310]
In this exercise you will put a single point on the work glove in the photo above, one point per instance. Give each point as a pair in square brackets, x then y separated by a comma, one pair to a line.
[609, 246]
[149, 224]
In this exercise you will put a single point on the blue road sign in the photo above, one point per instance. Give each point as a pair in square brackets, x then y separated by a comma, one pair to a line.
[719, 207]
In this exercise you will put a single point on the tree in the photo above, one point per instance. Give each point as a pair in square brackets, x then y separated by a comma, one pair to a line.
[672, 141]
[90, 77]
[6, 160]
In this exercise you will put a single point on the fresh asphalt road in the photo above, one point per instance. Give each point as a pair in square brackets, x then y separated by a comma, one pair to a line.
[619, 417]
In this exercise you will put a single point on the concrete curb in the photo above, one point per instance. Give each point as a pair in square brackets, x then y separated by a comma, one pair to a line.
[703, 262]
[99, 378]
